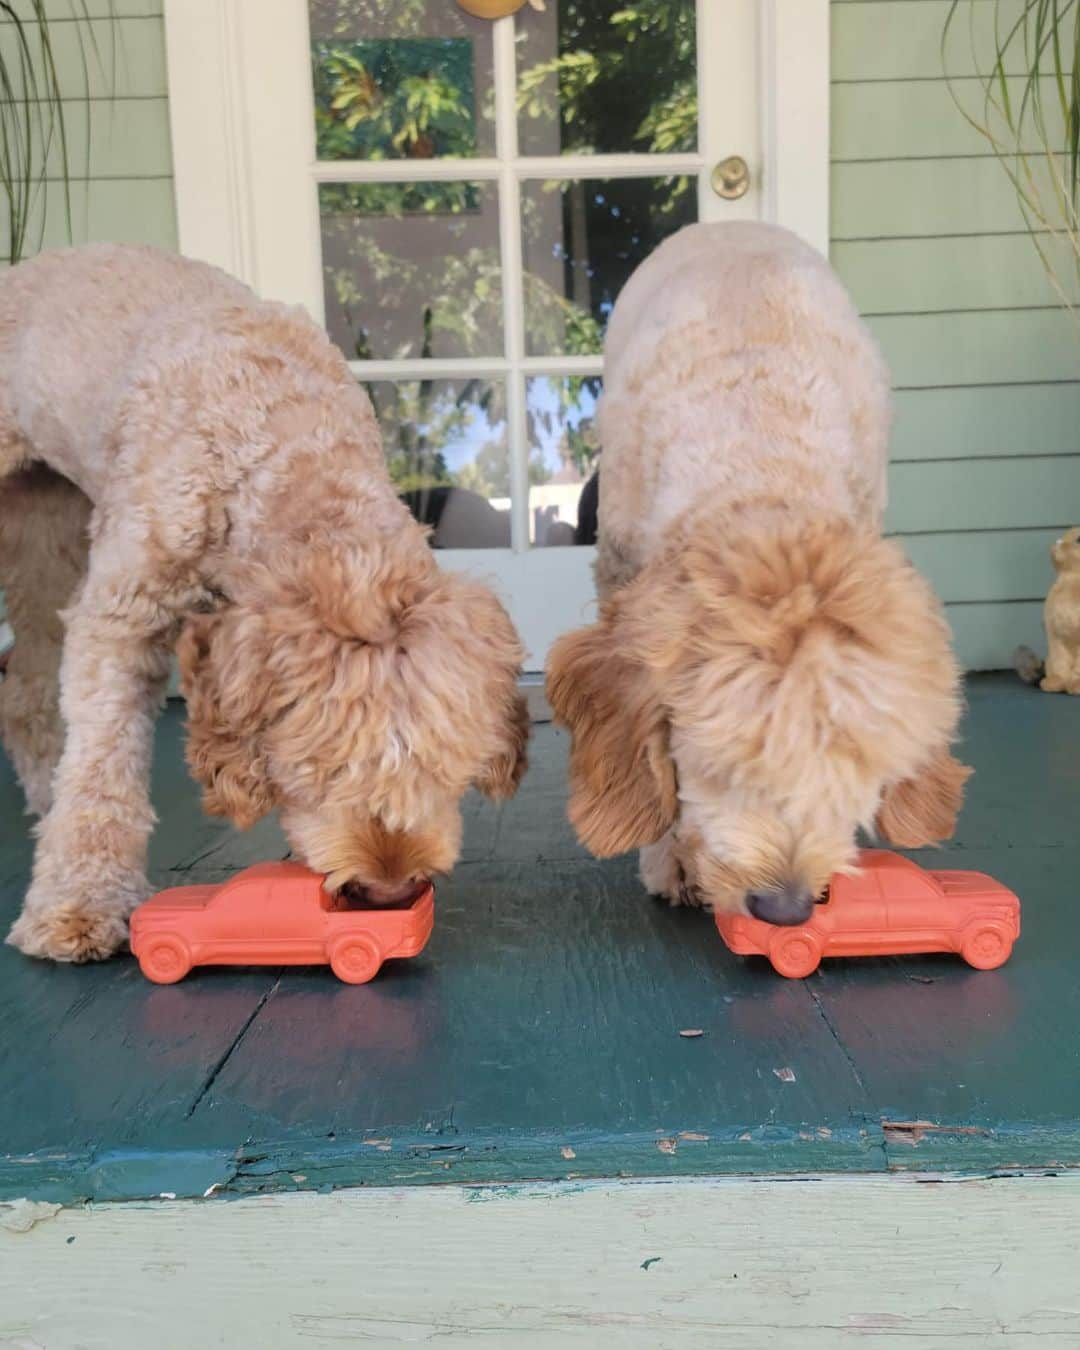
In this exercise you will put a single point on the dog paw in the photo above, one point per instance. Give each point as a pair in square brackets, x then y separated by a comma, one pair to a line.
[689, 896]
[69, 933]
[1052, 684]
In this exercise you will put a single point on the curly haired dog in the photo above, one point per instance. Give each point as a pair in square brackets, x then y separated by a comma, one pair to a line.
[179, 459]
[768, 673]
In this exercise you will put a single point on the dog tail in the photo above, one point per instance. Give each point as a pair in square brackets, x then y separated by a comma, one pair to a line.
[1028, 666]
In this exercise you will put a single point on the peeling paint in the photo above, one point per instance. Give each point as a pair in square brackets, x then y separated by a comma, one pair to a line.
[19, 1216]
[912, 1132]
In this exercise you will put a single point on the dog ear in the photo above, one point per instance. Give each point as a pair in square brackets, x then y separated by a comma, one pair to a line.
[622, 779]
[501, 775]
[922, 810]
[221, 679]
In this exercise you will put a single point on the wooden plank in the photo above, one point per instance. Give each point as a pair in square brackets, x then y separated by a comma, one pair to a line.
[986, 566]
[889, 198]
[896, 119]
[538, 1035]
[1033, 419]
[903, 276]
[502, 1062]
[129, 57]
[115, 1062]
[60, 11]
[985, 494]
[942, 1063]
[996, 347]
[894, 40]
[986, 635]
[753, 1265]
[125, 138]
[125, 211]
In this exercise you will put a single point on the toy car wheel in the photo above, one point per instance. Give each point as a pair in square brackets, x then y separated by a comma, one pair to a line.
[985, 947]
[795, 953]
[165, 960]
[355, 960]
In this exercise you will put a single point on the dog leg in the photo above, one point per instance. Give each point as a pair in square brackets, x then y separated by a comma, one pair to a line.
[662, 874]
[89, 865]
[43, 521]
[1058, 667]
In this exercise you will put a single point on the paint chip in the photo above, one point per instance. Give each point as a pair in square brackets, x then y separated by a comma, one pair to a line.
[215, 1186]
[19, 1216]
[913, 1132]
[298, 1177]
[745, 1138]
[166, 1195]
[667, 1145]
[567, 1152]
[650, 1261]
[693, 1135]
[690, 1033]
[375, 1143]
[785, 1074]
[383, 1148]
[823, 1132]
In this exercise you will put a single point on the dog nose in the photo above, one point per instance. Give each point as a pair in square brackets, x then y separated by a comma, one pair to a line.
[788, 906]
[354, 893]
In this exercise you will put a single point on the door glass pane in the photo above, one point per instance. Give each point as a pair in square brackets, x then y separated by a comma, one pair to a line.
[607, 77]
[580, 242]
[412, 269]
[562, 460]
[446, 449]
[400, 79]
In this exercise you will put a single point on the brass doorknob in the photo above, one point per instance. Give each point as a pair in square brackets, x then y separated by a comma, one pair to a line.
[731, 177]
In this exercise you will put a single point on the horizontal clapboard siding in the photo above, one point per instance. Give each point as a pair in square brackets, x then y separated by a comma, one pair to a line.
[924, 198]
[987, 420]
[117, 120]
[60, 10]
[926, 276]
[123, 54]
[883, 41]
[985, 361]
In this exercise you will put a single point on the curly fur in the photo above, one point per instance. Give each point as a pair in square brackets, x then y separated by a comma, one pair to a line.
[240, 504]
[759, 642]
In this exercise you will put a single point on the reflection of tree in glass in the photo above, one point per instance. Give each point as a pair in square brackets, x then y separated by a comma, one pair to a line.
[625, 71]
[623, 77]
[406, 98]
[422, 421]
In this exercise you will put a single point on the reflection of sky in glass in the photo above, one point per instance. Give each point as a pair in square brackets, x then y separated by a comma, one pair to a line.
[471, 439]
[546, 423]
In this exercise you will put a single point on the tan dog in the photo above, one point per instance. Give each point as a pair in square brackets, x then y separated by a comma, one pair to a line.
[767, 673]
[232, 473]
[1062, 618]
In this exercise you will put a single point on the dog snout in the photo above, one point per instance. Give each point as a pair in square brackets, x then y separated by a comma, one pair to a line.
[384, 892]
[787, 906]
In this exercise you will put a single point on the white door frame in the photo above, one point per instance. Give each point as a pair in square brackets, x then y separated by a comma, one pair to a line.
[243, 142]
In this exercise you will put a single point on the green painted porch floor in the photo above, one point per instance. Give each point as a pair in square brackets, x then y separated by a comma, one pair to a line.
[538, 1035]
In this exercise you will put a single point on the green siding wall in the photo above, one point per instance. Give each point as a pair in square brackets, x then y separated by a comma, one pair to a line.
[927, 234]
[119, 150]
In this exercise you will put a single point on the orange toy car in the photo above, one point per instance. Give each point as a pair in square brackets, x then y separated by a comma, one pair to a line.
[273, 914]
[891, 907]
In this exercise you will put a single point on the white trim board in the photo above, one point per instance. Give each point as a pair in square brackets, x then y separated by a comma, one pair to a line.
[697, 1265]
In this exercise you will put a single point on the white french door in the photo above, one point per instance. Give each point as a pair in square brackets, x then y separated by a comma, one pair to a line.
[459, 201]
